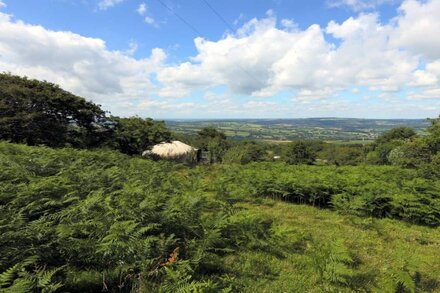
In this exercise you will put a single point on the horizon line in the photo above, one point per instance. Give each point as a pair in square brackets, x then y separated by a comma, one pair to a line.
[290, 118]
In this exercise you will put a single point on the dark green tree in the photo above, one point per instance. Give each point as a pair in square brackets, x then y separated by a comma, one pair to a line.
[246, 152]
[343, 155]
[35, 112]
[214, 141]
[299, 152]
[398, 133]
[134, 135]
[433, 138]
[207, 134]
[387, 142]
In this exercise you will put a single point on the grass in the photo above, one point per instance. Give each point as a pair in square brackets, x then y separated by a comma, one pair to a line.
[376, 247]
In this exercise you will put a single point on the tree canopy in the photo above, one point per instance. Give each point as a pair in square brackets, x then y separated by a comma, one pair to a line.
[134, 135]
[299, 152]
[36, 112]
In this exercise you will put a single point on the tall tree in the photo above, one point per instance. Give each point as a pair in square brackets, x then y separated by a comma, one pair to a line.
[214, 141]
[134, 135]
[299, 152]
[36, 112]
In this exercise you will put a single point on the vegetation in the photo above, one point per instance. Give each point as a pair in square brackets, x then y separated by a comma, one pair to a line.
[35, 112]
[87, 213]
[134, 135]
[344, 130]
[299, 153]
[85, 221]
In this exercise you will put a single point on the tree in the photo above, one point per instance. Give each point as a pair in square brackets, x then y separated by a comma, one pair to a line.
[411, 154]
[214, 141]
[299, 152]
[35, 112]
[207, 134]
[433, 138]
[244, 153]
[388, 141]
[343, 155]
[398, 133]
[134, 135]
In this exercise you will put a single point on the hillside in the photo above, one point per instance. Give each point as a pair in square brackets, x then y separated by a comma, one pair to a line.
[345, 129]
[86, 221]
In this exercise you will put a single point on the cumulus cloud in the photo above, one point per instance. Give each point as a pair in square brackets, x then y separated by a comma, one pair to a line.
[105, 4]
[418, 28]
[261, 59]
[397, 62]
[80, 64]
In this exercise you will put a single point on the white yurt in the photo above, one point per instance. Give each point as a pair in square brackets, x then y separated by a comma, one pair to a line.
[175, 150]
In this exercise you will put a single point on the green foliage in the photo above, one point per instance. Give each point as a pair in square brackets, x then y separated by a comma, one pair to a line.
[431, 170]
[214, 142]
[401, 274]
[210, 133]
[134, 135]
[412, 154]
[35, 112]
[343, 155]
[331, 261]
[244, 153]
[364, 190]
[401, 147]
[19, 278]
[433, 139]
[389, 141]
[102, 219]
[398, 133]
[87, 221]
[299, 152]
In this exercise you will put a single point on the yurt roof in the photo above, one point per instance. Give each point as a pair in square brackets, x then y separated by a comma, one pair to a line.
[171, 149]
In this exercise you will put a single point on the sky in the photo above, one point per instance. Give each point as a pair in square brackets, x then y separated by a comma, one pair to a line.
[175, 59]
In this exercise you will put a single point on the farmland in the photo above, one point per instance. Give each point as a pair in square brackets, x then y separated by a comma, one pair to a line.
[327, 129]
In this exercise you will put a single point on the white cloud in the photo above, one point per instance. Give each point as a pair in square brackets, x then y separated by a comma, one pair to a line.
[261, 59]
[418, 28]
[142, 9]
[426, 94]
[150, 20]
[79, 64]
[289, 24]
[359, 5]
[105, 4]
[2, 4]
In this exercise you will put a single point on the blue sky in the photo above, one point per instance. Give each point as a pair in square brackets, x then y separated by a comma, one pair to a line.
[259, 59]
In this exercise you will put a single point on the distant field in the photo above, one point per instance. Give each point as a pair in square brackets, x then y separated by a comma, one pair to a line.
[340, 130]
